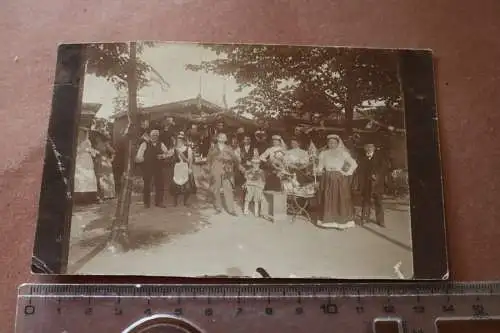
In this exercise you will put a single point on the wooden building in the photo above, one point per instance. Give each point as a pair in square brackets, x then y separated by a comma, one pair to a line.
[88, 112]
[87, 116]
[186, 112]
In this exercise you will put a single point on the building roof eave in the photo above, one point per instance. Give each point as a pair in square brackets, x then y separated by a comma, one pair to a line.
[91, 108]
[172, 106]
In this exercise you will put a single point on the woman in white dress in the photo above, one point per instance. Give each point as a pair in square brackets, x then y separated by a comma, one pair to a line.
[336, 165]
[85, 181]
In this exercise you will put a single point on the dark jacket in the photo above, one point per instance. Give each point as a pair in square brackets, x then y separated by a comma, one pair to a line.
[371, 173]
[167, 137]
[151, 161]
[262, 146]
[246, 156]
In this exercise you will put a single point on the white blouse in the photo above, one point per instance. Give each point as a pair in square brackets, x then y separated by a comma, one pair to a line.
[337, 160]
[270, 152]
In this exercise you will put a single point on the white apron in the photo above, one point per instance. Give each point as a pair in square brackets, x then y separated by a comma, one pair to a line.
[181, 173]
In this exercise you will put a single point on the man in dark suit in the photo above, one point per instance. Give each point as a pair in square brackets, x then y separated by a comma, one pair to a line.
[247, 151]
[372, 169]
[261, 141]
[151, 154]
[168, 132]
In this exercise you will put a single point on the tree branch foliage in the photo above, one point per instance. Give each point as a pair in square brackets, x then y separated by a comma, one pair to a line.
[120, 64]
[120, 102]
[283, 79]
[110, 61]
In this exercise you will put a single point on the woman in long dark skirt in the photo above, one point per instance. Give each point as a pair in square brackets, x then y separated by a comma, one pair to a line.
[336, 166]
[183, 182]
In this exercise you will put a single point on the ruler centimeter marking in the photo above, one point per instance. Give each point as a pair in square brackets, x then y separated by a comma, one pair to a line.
[354, 307]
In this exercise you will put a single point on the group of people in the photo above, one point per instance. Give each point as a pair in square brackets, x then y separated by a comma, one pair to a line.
[94, 172]
[337, 167]
[241, 166]
[159, 161]
[249, 164]
[333, 168]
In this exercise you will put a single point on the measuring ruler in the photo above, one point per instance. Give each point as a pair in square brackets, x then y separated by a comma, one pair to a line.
[258, 307]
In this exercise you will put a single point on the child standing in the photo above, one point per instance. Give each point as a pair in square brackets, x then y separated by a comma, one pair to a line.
[255, 182]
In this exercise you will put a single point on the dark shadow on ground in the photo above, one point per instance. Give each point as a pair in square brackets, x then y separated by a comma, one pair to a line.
[148, 227]
[400, 204]
[387, 238]
[390, 203]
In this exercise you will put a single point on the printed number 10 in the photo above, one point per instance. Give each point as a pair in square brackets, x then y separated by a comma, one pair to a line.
[329, 308]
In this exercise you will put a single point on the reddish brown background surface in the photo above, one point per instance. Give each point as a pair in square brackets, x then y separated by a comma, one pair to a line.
[464, 35]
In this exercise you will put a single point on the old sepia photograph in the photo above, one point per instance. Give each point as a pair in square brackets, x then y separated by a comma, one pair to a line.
[229, 160]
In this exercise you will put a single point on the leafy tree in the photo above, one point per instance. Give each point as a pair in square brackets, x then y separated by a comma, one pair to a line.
[120, 102]
[291, 79]
[119, 63]
[110, 61]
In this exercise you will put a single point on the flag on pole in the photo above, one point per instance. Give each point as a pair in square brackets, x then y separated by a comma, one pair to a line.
[224, 101]
[198, 102]
[158, 78]
[200, 83]
[312, 149]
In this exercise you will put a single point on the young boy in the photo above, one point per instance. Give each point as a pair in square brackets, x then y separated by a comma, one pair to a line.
[255, 182]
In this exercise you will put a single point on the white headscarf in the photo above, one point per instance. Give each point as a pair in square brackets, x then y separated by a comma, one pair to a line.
[341, 146]
[337, 157]
[280, 139]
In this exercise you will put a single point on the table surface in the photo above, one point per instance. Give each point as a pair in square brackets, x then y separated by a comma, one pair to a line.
[463, 35]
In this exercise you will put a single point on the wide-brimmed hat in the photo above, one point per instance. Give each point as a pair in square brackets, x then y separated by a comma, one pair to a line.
[276, 137]
[181, 135]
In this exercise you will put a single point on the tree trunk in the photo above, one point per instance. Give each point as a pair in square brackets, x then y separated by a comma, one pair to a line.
[119, 240]
[349, 115]
[350, 82]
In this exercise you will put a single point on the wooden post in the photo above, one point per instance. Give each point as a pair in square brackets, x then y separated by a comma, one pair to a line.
[119, 240]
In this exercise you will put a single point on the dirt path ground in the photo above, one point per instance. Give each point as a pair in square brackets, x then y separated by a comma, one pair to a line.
[182, 241]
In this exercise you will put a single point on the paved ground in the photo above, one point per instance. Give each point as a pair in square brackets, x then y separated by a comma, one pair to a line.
[181, 241]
